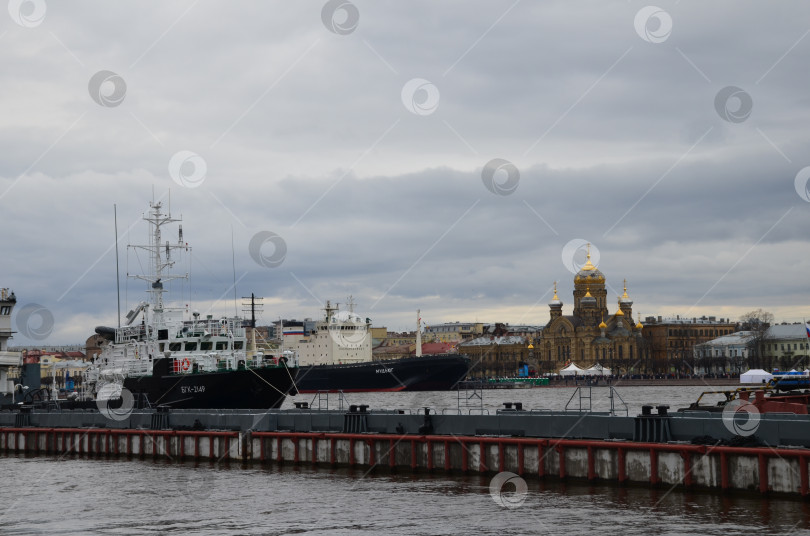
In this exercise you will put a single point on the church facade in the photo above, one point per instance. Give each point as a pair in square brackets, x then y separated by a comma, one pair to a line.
[592, 334]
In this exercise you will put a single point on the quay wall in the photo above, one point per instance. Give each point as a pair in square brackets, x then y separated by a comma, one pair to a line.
[722, 468]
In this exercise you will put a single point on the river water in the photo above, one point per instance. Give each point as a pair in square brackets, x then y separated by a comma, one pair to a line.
[54, 496]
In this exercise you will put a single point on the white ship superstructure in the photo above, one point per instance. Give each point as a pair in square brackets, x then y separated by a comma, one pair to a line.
[8, 360]
[191, 346]
[341, 337]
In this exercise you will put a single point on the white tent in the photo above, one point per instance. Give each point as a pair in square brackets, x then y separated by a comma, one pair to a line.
[755, 376]
[598, 370]
[573, 370]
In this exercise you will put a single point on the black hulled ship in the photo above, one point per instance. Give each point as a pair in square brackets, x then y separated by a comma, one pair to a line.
[335, 355]
[166, 360]
[440, 372]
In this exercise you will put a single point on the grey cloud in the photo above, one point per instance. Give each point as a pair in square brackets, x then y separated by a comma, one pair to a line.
[285, 112]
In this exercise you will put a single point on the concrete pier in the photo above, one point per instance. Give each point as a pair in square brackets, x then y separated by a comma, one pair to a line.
[721, 468]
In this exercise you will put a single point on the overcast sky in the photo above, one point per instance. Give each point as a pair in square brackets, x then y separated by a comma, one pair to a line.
[450, 157]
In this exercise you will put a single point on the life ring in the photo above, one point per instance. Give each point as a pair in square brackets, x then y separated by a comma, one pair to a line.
[186, 364]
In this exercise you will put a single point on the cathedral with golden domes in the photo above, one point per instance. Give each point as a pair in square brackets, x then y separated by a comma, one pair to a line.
[592, 334]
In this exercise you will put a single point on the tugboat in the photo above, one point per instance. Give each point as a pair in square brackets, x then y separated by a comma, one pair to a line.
[336, 356]
[166, 360]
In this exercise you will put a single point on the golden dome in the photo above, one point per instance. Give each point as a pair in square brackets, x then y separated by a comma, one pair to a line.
[531, 347]
[619, 313]
[588, 300]
[602, 325]
[639, 326]
[589, 272]
[589, 275]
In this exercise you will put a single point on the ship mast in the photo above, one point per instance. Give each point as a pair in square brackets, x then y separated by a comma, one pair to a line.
[418, 333]
[160, 258]
[330, 311]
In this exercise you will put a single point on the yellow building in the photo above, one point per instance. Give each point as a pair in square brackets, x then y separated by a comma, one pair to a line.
[591, 334]
[453, 331]
[379, 333]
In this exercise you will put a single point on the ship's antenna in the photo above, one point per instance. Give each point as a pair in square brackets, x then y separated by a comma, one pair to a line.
[233, 261]
[117, 275]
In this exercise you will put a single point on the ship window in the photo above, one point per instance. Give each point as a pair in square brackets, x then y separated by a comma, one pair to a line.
[163, 334]
[175, 346]
[222, 345]
[237, 345]
[206, 345]
[5, 310]
[191, 346]
[162, 346]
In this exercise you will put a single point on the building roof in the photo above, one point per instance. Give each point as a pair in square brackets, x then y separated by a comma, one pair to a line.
[651, 320]
[432, 348]
[789, 331]
[736, 338]
[575, 320]
[486, 341]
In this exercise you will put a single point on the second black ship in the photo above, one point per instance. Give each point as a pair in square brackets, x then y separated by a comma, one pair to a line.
[335, 355]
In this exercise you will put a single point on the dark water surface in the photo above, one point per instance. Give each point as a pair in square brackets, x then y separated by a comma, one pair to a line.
[54, 496]
[46, 495]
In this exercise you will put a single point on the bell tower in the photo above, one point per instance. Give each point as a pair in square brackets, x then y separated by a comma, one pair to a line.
[590, 282]
[625, 303]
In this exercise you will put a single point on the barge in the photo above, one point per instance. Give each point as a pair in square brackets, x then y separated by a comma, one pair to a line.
[691, 449]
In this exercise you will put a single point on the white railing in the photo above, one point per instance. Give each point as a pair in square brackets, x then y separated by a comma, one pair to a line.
[129, 333]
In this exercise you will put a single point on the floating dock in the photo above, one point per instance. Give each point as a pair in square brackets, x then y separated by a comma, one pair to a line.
[655, 449]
